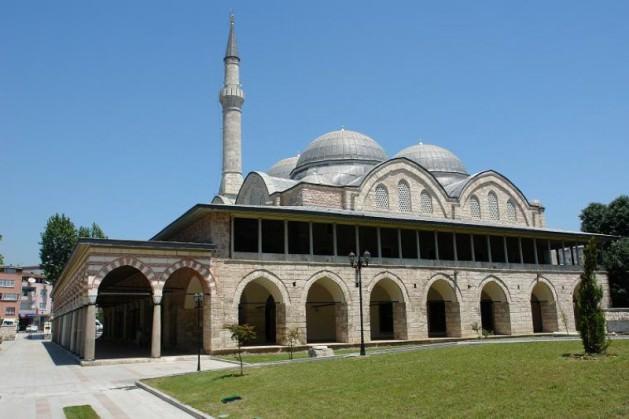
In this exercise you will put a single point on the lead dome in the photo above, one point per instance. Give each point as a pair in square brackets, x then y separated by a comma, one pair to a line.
[340, 156]
[283, 167]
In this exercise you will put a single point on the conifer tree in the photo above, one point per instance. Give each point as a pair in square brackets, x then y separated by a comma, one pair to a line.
[591, 318]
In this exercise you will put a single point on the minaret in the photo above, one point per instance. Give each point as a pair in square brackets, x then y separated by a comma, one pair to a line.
[232, 98]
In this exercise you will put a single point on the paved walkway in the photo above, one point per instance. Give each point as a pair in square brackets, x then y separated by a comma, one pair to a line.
[38, 379]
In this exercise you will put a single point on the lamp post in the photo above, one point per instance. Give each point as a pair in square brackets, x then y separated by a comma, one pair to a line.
[357, 263]
[198, 302]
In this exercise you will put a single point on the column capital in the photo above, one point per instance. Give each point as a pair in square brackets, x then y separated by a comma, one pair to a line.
[157, 299]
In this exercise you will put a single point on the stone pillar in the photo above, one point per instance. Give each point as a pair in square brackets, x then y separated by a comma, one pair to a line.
[342, 332]
[453, 319]
[399, 321]
[73, 331]
[207, 323]
[81, 336]
[124, 322]
[89, 344]
[156, 336]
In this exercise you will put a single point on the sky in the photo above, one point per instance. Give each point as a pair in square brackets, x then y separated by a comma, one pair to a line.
[109, 111]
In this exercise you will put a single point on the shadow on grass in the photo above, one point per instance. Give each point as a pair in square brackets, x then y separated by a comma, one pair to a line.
[588, 357]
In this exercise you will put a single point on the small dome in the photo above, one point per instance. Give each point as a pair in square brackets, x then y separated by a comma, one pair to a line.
[340, 147]
[434, 158]
[283, 167]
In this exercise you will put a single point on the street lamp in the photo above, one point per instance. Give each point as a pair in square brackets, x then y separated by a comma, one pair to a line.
[357, 263]
[198, 302]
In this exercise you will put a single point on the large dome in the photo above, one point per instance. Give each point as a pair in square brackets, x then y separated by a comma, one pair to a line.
[434, 158]
[283, 167]
[340, 147]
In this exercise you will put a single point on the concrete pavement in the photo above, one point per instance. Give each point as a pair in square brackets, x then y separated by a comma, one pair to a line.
[39, 379]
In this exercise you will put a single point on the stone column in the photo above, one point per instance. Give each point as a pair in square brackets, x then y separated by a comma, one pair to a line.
[73, 331]
[156, 337]
[89, 343]
[124, 322]
[81, 335]
[207, 323]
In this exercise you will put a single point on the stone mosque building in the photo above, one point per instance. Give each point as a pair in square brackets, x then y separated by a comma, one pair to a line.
[450, 250]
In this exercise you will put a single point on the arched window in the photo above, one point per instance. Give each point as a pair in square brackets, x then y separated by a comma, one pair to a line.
[382, 197]
[425, 201]
[512, 215]
[492, 206]
[475, 207]
[404, 195]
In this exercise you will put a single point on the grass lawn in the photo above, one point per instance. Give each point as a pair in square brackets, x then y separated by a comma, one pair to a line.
[80, 412]
[522, 380]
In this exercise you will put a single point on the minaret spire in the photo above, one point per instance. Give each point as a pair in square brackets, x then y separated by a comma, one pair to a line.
[232, 98]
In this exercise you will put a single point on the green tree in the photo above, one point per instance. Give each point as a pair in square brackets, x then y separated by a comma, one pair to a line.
[241, 334]
[57, 242]
[612, 219]
[616, 220]
[592, 217]
[616, 260]
[591, 318]
[1, 257]
[93, 232]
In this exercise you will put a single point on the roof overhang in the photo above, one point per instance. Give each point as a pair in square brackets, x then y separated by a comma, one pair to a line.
[362, 217]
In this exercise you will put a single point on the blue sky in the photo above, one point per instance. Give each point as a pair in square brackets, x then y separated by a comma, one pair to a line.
[109, 110]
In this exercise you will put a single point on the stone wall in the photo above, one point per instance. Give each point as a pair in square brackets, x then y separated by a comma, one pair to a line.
[617, 320]
[293, 279]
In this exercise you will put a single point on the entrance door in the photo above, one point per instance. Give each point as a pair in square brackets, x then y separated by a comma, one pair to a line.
[536, 310]
[386, 319]
[269, 319]
[436, 318]
[487, 315]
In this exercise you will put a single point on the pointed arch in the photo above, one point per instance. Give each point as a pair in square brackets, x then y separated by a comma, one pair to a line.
[124, 261]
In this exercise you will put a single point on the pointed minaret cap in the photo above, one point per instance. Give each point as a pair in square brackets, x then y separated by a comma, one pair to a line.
[232, 46]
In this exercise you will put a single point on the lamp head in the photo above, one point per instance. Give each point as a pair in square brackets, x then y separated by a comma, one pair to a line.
[352, 258]
[366, 257]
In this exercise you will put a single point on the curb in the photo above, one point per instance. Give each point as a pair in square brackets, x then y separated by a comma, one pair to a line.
[171, 400]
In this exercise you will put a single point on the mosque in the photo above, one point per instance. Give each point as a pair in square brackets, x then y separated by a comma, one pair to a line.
[450, 253]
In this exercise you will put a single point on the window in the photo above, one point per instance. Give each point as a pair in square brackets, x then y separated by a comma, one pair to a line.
[7, 283]
[272, 236]
[492, 206]
[345, 239]
[9, 311]
[298, 238]
[245, 235]
[323, 239]
[389, 243]
[475, 207]
[404, 192]
[368, 240]
[425, 201]
[382, 197]
[409, 244]
[8, 297]
[42, 305]
[511, 213]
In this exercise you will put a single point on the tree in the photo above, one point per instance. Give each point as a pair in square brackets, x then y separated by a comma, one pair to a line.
[612, 219]
[93, 232]
[616, 260]
[616, 220]
[592, 217]
[57, 242]
[1, 257]
[241, 334]
[293, 336]
[591, 318]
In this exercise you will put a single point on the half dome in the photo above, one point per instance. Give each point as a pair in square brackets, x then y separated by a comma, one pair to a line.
[434, 158]
[283, 167]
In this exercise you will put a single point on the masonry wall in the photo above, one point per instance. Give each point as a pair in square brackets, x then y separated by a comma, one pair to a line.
[292, 280]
